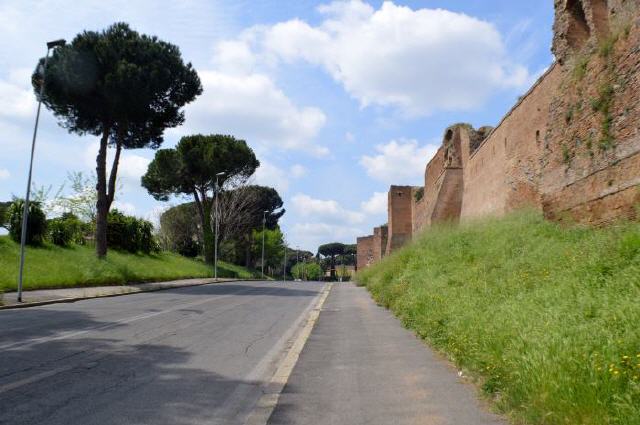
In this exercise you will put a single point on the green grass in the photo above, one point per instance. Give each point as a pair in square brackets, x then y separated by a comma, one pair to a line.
[545, 318]
[55, 267]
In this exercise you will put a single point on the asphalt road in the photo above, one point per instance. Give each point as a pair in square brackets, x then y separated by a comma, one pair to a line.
[197, 355]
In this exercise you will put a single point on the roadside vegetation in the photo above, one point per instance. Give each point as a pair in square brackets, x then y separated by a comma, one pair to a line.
[52, 266]
[545, 318]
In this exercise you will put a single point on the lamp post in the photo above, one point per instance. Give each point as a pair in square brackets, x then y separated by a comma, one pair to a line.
[304, 268]
[25, 211]
[264, 221]
[284, 266]
[215, 242]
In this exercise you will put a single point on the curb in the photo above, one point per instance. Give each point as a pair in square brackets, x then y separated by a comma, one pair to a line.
[74, 299]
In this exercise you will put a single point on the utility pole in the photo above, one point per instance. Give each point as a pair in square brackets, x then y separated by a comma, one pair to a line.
[304, 268]
[284, 266]
[25, 210]
[216, 226]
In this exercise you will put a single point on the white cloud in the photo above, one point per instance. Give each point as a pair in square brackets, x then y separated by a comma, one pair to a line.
[234, 57]
[298, 171]
[16, 95]
[419, 60]
[124, 207]
[349, 137]
[326, 210]
[399, 162]
[132, 166]
[312, 234]
[4, 174]
[253, 108]
[376, 205]
[270, 175]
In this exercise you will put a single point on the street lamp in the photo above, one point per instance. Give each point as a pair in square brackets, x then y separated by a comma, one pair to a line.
[264, 221]
[215, 245]
[284, 266]
[25, 211]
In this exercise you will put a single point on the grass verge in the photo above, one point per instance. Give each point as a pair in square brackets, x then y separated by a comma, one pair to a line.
[51, 266]
[546, 318]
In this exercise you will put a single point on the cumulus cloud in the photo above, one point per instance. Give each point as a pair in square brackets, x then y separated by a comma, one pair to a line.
[252, 107]
[418, 61]
[130, 168]
[376, 205]
[271, 175]
[312, 234]
[4, 174]
[398, 162]
[16, 95]
[325, 210]
[124, 207]
[133, 166]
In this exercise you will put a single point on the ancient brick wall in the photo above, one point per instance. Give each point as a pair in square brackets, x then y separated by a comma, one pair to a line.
[569, 148]
[591, 162]
[380, 235]
[365, 256]
[419, 209]
[503, 173]
[400, 215]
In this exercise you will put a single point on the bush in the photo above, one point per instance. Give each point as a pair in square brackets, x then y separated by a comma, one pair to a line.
[306, 271]
[66, 230]
[4, 216]
[130, 233]
[36, 222]
[179, 230]
[188, 248]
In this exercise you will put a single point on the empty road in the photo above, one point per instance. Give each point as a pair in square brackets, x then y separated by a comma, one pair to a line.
[208, 354]
[196, 355]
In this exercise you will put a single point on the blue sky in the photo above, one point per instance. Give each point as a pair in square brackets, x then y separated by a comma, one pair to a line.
[338, 99]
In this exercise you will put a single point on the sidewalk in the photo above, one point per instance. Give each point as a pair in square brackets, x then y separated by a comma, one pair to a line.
[360, 366]
[9, 299]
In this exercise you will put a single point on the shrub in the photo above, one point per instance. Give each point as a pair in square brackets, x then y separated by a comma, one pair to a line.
[179, 230]
[308, 271]
[130, 233]
[36, 222]
[65, 230]
[4, 216]
[188, 248]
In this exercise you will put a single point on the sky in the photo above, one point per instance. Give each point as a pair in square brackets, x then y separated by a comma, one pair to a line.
[338, 99]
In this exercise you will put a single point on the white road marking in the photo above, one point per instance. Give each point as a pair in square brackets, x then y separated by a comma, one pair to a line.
[267, 403]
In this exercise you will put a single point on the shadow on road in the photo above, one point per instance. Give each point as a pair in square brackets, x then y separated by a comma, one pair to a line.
[108, 381]
[248, 289]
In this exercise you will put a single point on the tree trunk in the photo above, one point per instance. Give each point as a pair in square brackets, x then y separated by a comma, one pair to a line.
[208, 235]
[204, 208]
[102, 203]
[248, 260]
[106, 193]
[332, 271]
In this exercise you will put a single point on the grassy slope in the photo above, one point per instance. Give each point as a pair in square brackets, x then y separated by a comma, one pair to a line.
[55, 267]
[547, 318]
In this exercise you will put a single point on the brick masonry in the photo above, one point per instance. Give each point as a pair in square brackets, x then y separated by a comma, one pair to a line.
[569, 148]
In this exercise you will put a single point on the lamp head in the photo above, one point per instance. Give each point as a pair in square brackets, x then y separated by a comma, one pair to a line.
[56, 43]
